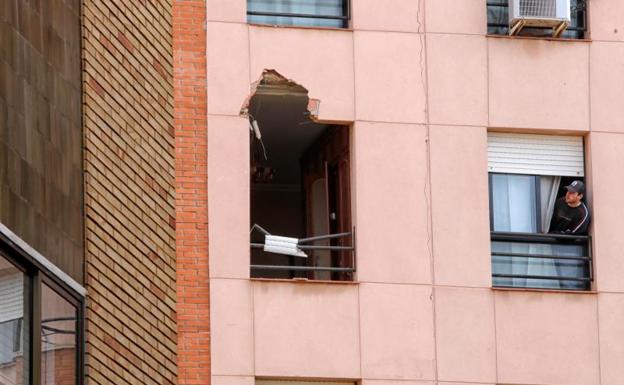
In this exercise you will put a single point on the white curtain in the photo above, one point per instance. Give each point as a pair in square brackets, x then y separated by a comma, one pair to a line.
[515, 210]
[549, 186]
[308, 7]
[513, 198]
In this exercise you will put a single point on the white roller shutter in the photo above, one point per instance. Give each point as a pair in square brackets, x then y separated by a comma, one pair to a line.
[289, 382]
[535, 154]
[11, 297]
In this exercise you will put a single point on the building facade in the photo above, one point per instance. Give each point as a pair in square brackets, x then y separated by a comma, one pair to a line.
[87, 240]
[247, 192]
[408, 103]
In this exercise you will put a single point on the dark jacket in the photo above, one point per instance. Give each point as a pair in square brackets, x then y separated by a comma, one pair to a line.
[571, 220]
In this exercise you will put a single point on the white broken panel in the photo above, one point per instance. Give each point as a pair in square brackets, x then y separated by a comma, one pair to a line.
[283, 245]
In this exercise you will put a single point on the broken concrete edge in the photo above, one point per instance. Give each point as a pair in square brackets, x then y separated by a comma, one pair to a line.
[270, 78]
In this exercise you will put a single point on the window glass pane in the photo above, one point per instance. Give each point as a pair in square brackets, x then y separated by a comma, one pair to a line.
[330, 8]
[513, 202]
[58, 339]
[11, 321]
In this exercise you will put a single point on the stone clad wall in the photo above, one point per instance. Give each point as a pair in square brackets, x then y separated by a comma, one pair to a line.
[130, 196]
[41, 185]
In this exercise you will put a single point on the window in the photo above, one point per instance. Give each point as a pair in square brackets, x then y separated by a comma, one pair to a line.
[307, 13]
[527, 175]
[498, 20]
[11, 319]
[40, 323]
[58, 339]
[300, 187]
[293, 382]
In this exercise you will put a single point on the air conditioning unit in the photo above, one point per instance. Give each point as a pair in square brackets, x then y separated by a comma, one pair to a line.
[553, 14]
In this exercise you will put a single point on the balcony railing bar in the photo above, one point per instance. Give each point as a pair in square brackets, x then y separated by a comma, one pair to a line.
[540, 256]
[547, 277]
[535, 288]
[316, 238]
[533, 237]
[503, 25]
[324, 237]
[309, 247]
[583, 241]
[297, 15]
[312, 247]
[505, 4]
[303, 268]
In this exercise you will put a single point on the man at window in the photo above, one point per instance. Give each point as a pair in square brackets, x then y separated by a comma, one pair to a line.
[571, 215]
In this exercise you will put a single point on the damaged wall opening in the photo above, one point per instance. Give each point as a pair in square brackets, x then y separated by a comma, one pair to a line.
[300, 186]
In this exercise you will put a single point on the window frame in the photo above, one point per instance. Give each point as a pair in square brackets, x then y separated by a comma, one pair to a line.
[345, 18]
[341, 243]
[37, 274]
[538, 237]
[585, 240]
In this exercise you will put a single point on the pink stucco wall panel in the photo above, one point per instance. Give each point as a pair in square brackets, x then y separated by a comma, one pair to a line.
[388, 80]
[463, 383]
[606, 20]
[547, 338]
[383, 16]
[306, 330]
[233, 380]
[465, 338]
[456, 16]
[228, 167]
[611, 311]
[390, 191]
[397, 332]
[228, 67]
[458, 87]
[538, 84]
[231, 324]
[607, 92]
[234, 11]
[606, 156]
[319, 60]
[395, 382]
[461, 232]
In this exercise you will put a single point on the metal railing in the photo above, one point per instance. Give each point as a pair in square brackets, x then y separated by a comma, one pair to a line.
[307, 244]
[569, 253]
[298, 15]
[343, 18]
[498, 21]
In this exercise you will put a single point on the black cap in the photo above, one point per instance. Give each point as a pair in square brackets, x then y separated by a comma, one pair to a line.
[577, 186]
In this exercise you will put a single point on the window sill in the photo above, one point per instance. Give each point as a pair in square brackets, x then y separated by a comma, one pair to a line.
[304, 281]
[531, 290]
[301, 27]
[559, 39]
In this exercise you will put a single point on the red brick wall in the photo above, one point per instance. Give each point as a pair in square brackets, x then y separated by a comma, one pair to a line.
[189, 46]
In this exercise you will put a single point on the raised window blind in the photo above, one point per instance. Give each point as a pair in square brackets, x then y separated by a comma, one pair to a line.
[535, 154]
[11, 296]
